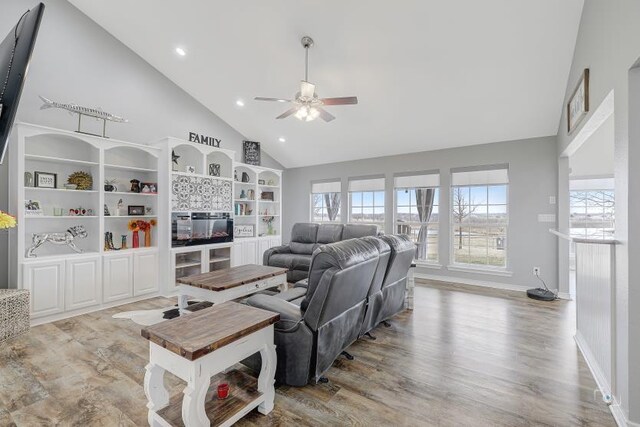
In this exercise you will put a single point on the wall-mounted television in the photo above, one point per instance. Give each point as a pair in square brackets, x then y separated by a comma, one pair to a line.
[15, 54]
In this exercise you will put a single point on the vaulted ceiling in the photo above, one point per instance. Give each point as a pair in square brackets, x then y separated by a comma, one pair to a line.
[429, 74]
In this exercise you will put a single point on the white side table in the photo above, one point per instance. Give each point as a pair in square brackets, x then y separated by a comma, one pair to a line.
[203, 345]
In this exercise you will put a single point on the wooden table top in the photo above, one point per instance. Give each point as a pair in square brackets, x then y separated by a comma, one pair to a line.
[195, 335]
[221, 280]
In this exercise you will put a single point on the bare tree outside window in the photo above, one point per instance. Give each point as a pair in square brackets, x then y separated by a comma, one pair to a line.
[462, 209]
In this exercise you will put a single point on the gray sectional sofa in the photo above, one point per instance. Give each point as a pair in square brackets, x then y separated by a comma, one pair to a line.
[352, 286]
[306, 238]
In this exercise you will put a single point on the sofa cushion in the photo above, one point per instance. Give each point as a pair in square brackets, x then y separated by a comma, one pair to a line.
[292, 294]
[291, 261]
[303, 238]
[354, 231]
[329, 233]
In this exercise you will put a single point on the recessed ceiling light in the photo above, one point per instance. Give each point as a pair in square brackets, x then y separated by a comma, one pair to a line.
[240, 103]
[281, 139]
[282, 100]
[180, 51]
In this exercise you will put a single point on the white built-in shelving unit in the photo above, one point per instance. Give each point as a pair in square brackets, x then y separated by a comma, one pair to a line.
[63, 282]
[194, 163]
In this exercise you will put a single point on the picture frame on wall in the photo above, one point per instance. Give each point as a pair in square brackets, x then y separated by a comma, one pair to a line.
[45, 180]
[578, 105]
[251, 152]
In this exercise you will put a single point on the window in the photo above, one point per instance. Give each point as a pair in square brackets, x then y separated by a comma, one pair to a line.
[326, 201]
[592, 209]
[366, 201]
[479, 217]
[417, 212]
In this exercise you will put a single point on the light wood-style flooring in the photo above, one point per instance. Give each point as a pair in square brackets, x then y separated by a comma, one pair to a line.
[464, 357]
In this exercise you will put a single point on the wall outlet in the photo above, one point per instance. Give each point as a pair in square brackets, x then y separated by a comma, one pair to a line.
[536, 271]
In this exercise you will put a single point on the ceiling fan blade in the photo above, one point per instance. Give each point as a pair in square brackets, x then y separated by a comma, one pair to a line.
[307, 90]
[262, 98]
[325, 115]
[287, 113]
[345, 100]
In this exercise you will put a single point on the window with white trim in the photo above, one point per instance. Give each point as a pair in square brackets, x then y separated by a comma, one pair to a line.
[592, 208]
[417, 200]
[366, 201]
[479, 217]
[326, 201]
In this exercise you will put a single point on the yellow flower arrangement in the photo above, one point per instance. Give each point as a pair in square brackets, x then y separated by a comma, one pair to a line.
[7, 221]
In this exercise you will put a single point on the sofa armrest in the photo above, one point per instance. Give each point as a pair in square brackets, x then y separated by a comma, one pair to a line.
[290, 314]
[284, 249]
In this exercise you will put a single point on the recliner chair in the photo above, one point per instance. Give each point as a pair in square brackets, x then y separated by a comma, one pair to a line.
[310, 336]
[394, 286]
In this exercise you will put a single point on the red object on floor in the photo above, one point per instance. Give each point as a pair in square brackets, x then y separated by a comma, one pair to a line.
[223, 391]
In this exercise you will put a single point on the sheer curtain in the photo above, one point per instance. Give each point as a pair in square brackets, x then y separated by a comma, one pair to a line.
[424, 200]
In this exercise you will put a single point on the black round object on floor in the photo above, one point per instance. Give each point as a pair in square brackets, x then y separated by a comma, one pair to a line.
[541, 294]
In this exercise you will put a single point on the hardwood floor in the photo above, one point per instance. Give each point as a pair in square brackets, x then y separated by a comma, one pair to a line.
[464, 357]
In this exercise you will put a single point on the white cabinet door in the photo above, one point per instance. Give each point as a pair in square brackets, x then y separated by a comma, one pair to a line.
[83, 283]
[145, 273]
[45, 281]
[236, 254]
[250, 252]
[263, 245]
[275, 241]
[117, 277]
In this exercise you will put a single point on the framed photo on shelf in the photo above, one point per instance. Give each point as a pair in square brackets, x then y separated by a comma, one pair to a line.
[32, 208]
[243, 230]
[135, 210]
[45, 180]
[267, 195]
[149, 187]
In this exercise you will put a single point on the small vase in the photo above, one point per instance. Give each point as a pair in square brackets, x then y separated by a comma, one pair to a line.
[136, 240]
[147, 239]
[123, 244]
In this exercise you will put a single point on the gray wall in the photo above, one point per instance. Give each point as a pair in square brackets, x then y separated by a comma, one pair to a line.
[533, 169]
[75, 60]
[609, 44]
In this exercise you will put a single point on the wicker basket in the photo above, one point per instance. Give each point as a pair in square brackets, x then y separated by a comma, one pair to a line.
[14, 313]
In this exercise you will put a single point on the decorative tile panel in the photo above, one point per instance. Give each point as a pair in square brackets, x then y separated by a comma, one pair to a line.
[200, 194]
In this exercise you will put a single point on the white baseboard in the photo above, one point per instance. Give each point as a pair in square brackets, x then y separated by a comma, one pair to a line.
[596, 371]
[482, 283]
[472, 282]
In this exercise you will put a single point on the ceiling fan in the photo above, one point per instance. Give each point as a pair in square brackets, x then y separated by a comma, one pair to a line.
[306, 104]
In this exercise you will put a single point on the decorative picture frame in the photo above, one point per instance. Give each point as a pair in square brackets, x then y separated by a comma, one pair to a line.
[151, 187]
[246, 230]
[135, 210]
[214, 169]
[32, 208]
[251, 152]
[261, 182]
[45, 180]
[267, 195]
[578, 105]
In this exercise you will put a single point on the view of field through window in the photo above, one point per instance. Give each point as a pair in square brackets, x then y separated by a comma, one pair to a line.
[367, 207]
[592, 214]
[479, 218]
